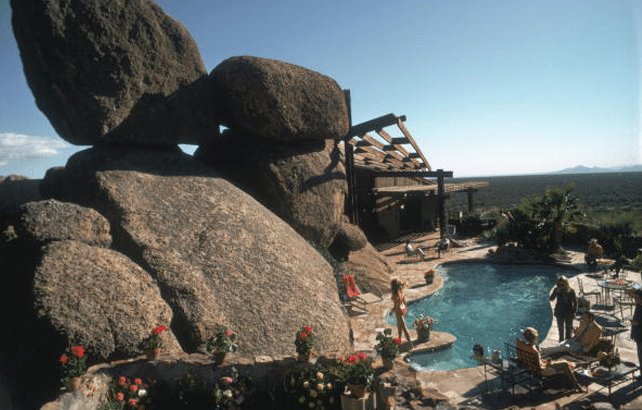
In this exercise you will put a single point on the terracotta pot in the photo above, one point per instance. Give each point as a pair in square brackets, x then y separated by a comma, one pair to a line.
[73, 384]
[424, 335]
[304, 357]
[218, 357]
[152, 354]
[388, 364]
[357, 390]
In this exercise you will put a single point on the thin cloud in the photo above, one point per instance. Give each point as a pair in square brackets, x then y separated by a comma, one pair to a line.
[16, 147]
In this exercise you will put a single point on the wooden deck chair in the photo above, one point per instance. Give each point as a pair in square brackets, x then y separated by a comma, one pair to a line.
[531, 360]
[596, 293]
[356, 296]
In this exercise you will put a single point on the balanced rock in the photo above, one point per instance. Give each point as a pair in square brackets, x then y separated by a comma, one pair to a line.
[278, 100]
[49, 220]
[303, 182]
[99, 297]
[114, 71]
[349, 238]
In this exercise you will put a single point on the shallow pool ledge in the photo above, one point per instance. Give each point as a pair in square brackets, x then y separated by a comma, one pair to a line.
[438, 341]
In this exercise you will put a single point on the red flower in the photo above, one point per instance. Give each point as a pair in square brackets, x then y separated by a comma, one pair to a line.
[397, 340]
[352, 359]
[362, 356]
[229, 333]
[133, 387]
[122, 381]
[138, 381]
[63, 359]
[308, 329]
[120, 397]
[78, 351]
[158, 330]
[131, 402]
[303, 335]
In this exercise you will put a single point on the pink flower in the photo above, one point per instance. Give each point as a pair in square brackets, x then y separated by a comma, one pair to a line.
[63, 359]
[122, 381]
[78, 351]
[308, 329]
[138, 381]
[133, 388]
[120, 397]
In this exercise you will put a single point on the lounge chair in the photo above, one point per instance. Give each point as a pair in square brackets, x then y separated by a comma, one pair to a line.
[363, 299]
[528, 357]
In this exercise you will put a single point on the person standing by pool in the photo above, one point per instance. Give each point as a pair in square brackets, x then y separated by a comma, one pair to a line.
[565, 307]
[636, 323]
[399, 308]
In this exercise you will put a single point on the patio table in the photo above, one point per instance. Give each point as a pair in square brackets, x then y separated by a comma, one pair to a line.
[609, 378]
[616, 285]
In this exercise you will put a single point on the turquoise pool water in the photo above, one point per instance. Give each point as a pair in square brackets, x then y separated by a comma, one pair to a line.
[486, 304]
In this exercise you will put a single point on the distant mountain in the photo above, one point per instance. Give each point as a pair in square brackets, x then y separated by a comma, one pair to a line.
[581, 169]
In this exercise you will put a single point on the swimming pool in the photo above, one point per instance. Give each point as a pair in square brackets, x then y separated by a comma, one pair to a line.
[484, 303]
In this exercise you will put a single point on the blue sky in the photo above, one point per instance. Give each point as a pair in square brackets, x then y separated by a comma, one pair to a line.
[488, 87]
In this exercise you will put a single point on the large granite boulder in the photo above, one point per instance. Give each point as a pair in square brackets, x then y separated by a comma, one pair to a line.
[49, 220]
[16, 190]
[304, 182]
[222, 258]
[116, 71]
[278, 100]
[349, 238]
[99, 297]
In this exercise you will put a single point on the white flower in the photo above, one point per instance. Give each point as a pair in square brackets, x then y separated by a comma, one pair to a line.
[319, 375]
[320, 386]
[142, 392]
[306, 384]
[228, 393]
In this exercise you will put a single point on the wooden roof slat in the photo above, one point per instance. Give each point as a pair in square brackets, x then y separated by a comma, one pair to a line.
[399, 141]
[406, 133]
[381, 146]
[399, 148]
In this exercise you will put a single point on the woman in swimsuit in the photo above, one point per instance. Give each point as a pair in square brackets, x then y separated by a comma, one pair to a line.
[399, 307]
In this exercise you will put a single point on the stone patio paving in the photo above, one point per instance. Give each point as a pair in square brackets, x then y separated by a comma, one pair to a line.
[467, 386]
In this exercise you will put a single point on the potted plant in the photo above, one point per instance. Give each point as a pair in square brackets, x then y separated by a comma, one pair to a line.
[311, 387]
[429, 276]
[223, 342]
[387, 347]
[424, 325]
[609, 360]
[152, 344]
[74, 365]
[304, 342]
[357, 373]
[123, 393]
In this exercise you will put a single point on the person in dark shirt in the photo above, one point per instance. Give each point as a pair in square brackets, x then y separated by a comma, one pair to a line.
[636, 323]
[565, 307]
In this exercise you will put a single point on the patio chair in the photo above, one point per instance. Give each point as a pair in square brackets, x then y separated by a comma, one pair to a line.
[530, 359]
[596, 293]
[355, 296]
[624, 304]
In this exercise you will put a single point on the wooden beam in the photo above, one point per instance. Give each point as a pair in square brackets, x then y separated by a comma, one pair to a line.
[399, 148]
[381, 146]
[420, 174]
[374, 125]
[406, 133]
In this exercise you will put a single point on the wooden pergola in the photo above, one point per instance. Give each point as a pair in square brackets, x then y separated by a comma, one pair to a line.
[368, 146]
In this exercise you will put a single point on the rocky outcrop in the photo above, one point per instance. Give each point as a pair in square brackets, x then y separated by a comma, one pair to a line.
[51, 220]
[113, 71]
[349, 238]
[16, 190]
[278, 100]
[99, 298]
[303, 181]
[222, 258]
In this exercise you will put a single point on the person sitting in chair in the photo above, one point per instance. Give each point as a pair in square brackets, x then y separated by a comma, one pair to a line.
[547, 367]
[586, 336]
[411, 252]
[593, 253]
[443, 246]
